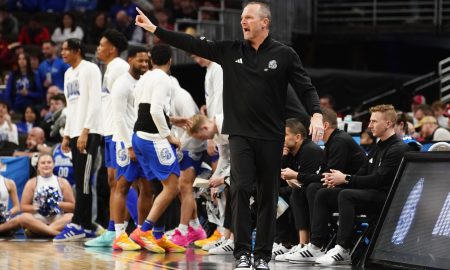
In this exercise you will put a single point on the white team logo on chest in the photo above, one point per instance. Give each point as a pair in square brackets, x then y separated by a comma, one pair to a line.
[272, 65]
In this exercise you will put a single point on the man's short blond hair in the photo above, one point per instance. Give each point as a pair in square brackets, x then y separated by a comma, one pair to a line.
[264, 9]
[198, 121]
[388, 110]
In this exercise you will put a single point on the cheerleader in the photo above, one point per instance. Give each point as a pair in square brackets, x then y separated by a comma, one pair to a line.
[47, 201]
[8, 191]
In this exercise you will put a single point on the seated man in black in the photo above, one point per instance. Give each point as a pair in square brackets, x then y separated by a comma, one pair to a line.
[341, 153]
[299, 154]
[363, 192]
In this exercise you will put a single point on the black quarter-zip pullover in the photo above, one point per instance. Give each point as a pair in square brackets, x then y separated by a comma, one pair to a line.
[255, 82]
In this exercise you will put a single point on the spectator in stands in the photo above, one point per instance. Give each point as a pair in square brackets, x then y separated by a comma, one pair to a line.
[447, 114]
[431, 131]
[52, 6]
[368, 141]
[125, 5]
[36, 219]
[416, 101]
[402, 131]
[422, 111]
[4, 52]
[33, 33]
[35, 139]
[124, 24]
[30, 119]
[52, 69]
[35, 60]
[51, 92]
[9, 54]
[8, 130]
[67, 29]
[24, 86]
[8, 193]
[349, 194]
[8, 23]
[187, 10]
[341, 153]
[163, 18]
[439, 108]
[98, 26]
[301, 156]
[82, 6]
[55, 119]
[327, 101]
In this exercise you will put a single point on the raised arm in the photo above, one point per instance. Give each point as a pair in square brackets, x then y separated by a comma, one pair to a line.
[201, 47]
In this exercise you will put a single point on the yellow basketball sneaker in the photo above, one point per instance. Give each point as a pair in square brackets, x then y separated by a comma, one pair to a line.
[213, 238]
[146, 240]
[123, 242]
[169, 246]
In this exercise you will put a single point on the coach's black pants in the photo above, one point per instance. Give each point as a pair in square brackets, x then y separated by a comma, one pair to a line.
[301, 209]
[254, 163]
[83, 164]
[349, 203]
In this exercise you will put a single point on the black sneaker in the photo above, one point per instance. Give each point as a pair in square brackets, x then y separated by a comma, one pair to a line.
[243, 263]
[261, 264]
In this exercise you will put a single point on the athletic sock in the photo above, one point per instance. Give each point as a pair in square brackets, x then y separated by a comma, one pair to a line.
[183, 229]
[147, 226]
[194, 223]
[158, 232]
[119, 229]
[111, 226]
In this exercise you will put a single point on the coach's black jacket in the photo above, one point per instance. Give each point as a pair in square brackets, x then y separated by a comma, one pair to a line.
[341, 153]
[306, 162]
[255, 82]
[383, 164]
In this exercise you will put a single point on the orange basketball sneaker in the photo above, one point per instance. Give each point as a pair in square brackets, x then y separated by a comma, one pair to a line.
[213, 238]
[169, 246]
[123, 242]
[146, 240]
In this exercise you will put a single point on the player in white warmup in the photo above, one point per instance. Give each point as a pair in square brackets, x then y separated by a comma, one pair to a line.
[111, 45]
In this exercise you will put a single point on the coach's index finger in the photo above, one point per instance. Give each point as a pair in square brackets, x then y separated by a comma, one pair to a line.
[143, 21]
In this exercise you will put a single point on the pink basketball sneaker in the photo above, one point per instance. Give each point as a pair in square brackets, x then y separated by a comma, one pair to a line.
[195, 234]
[179, 239]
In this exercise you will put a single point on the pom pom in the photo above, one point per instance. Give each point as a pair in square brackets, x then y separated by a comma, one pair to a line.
[4, 213]
[47, 198]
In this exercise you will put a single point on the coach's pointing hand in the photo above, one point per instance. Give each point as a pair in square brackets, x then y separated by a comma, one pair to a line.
[144, 22]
